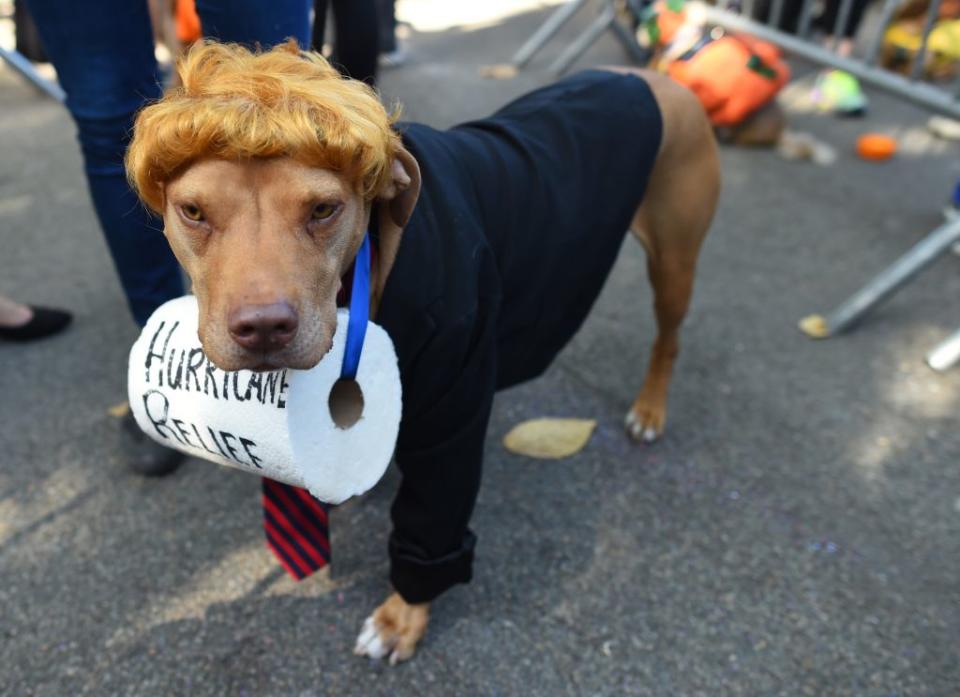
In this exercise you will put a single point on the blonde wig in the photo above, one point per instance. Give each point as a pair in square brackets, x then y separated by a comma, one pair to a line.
[235, 104]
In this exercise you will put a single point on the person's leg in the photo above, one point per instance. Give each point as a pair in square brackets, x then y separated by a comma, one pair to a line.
[103, 53]
[254, 22]
[387, 22]
[789, 14]
[848, 41]
[357, 38]
[826, 22]
[318, 33]
[355, 21]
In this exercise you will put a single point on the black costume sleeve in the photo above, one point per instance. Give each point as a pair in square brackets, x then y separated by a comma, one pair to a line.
[519, 220]
[440, 454]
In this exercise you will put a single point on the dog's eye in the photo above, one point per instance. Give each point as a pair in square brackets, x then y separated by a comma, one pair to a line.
[192, 212]
[323, 211]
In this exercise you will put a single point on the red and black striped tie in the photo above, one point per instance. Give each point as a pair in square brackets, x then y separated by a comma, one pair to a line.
[297, 528]
[296, 524]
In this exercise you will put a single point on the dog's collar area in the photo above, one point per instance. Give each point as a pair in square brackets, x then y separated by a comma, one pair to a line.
[359, 311]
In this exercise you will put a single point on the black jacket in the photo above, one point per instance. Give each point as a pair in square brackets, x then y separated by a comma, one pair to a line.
[520, 219]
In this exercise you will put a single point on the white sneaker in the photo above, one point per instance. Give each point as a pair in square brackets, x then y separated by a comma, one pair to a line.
[393, 59]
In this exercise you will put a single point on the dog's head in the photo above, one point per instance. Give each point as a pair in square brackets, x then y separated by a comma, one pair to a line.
[265, 167]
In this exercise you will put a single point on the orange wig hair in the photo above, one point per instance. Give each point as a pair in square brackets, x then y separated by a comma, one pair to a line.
[235, 103]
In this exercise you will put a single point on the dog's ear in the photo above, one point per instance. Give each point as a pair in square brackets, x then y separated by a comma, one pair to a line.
[402, 192]
[395, 206]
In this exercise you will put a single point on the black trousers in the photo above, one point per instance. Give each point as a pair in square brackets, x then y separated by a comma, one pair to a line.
[790, 17]
[357, 36]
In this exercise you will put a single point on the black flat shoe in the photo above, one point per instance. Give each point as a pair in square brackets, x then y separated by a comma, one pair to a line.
[146, 457]
[45, 322]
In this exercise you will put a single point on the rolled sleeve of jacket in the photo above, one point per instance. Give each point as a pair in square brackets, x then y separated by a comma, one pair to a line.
[440, 455]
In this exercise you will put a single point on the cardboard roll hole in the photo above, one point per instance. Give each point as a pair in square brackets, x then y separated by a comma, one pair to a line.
[346, 402]
[309, 428]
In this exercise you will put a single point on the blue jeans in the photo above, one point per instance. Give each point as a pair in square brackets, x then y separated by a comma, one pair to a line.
[103, 53]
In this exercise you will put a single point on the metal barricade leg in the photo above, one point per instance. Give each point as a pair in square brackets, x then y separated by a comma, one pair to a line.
[876, 42]
[946, 354]
[628, 40]
[606, 19]
[918, 61]
[547, 30]
[23, 66]
[884, 284]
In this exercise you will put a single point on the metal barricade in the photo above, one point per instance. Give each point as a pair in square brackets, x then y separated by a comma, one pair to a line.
[23, 66]
[945, 100]
[941, 99]
[606, 20]
[911, 87]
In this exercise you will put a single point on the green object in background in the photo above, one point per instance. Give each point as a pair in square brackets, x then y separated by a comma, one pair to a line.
[653, 30]
[648, 17]
[840, 93]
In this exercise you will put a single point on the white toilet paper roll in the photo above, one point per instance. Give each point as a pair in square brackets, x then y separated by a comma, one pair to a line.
[277, 424]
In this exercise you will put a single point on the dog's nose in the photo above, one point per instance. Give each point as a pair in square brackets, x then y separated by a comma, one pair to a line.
[263, 327]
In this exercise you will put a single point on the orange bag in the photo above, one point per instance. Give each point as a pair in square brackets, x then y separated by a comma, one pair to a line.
[732, 77]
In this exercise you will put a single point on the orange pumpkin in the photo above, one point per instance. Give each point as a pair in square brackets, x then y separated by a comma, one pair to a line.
[876, 146]
[733, 77]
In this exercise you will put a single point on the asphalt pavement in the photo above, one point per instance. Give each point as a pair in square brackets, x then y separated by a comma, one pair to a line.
[797, 532]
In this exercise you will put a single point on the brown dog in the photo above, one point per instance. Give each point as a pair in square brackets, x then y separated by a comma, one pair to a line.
[267, 232]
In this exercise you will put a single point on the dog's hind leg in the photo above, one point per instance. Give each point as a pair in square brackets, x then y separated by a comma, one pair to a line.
[671, 223]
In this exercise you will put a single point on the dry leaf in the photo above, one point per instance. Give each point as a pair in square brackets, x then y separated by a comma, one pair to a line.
[549, 439]
[118, 411]
[815, 326]
[501, 71]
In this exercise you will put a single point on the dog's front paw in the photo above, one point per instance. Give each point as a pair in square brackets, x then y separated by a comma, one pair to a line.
[393, 629]
[645, 422]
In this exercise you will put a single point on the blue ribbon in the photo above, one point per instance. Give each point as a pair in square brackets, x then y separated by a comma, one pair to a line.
[359, 311]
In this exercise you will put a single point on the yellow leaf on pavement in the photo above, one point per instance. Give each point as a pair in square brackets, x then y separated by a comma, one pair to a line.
[549, 439]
